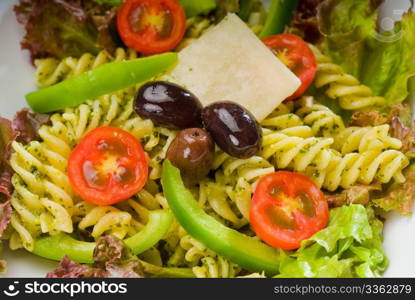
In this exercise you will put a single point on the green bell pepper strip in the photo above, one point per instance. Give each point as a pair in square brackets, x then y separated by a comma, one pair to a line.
[105, 79]
[155, 229]
[175, 273]
[279, 16]
[239, 248]
[57, 246]
[197, 7]
[161, 272]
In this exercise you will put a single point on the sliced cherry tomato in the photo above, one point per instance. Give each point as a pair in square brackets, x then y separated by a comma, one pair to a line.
[107, 166]
[297, 56]
[286, 209]
[151, 26]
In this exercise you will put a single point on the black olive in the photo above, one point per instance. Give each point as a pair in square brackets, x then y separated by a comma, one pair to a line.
[168, 105]
[234, 129]
[192, 152]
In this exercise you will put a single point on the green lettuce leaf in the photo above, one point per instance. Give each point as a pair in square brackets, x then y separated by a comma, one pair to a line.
[388, 65]
[350, 246]
[346, 25]
[345, 222]
[384, 61]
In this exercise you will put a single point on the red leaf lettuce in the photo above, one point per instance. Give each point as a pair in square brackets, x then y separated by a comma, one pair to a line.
[61, 28]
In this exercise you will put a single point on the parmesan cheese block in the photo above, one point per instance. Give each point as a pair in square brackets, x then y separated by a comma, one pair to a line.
[229, 62]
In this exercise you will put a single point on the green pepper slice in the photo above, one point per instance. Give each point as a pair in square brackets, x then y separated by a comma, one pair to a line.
[157, 226]
[279, 16]
[167, 272]
[174, 273]
[57, 246]
[239, 248]
[105, 79]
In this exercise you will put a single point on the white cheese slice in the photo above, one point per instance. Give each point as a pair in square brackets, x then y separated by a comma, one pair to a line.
[229, 62]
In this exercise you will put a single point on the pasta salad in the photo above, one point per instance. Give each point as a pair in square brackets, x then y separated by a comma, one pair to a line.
[209, 139]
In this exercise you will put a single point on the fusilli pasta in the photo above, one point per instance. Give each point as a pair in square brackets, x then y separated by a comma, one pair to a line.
[366, 138]
[288, 123]
[239, 177]
[329, 168]
[366, 167]
[103, 219]
[296, 152]
[216, 267]
[195, 26]
[352, 95]
[322, 120]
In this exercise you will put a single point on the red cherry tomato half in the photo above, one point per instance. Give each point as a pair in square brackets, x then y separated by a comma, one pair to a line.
[107, 166]
[286, 209]
[297, 56]
[151, 26]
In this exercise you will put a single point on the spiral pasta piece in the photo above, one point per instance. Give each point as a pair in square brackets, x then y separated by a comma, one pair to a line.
[195, 27]
[308, 155]
[50, 70]
[216, 267]
[249, 169]
[288, 123]
[22, 237]
[295, 152]
[105, 220]
[157, 145]
[43, 198]
[184, 249]
[204, 262]
[352, 95]
[365, 168]
[121, 220]
[194, 250]
[322, 120]
[363, 139]
[238, 178]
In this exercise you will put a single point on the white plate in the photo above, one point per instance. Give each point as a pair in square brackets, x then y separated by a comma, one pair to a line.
[16, 79]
